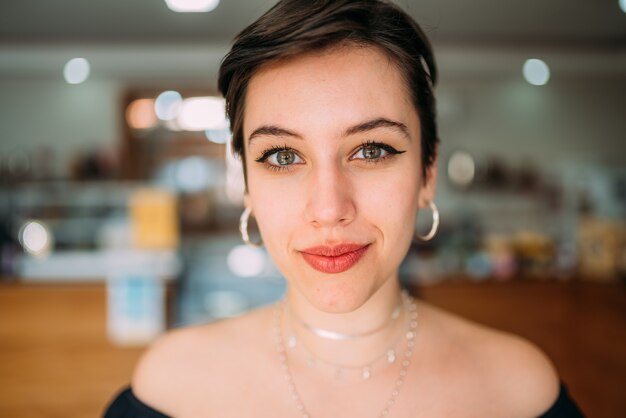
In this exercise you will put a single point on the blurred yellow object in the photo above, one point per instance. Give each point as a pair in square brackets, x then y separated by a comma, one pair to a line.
[535, 251]
[154, 219]
[602, 245]
[534, 245]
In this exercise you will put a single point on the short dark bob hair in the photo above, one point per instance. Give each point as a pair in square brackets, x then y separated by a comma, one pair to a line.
[296, 27]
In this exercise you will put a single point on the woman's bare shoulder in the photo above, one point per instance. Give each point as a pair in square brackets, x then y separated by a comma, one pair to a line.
[515, 375]
[185, 358]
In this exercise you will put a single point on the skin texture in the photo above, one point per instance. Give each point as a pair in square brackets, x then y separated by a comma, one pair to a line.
[332, 195]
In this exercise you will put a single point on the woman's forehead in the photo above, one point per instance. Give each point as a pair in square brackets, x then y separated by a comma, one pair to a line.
[340, 85]
[344, 60]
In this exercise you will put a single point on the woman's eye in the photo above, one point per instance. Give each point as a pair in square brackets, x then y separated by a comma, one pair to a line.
[285, 157]
[371, 152]
[278, 158]
[375, 152]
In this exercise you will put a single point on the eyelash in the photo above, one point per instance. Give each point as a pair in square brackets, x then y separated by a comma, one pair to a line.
[391, 151]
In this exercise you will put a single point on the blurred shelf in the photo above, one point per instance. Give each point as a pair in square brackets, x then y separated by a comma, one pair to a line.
[88, 266]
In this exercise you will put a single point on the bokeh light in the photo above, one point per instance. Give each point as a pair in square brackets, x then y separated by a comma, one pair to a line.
[536, 72]
[218, 136]
[36, 238]
[140, 114]
[167, 105]
[192, 175]
[202, 113]
[192, 6]
[245, 261]
[76, 70]
[461, 169]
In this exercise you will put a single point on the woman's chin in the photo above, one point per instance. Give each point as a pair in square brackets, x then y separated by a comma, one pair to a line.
[337, 297]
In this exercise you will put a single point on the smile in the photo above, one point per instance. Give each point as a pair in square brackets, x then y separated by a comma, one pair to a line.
[335, 259]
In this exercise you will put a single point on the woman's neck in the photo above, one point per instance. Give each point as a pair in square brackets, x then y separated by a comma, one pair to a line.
[369, 330]
[372, 315]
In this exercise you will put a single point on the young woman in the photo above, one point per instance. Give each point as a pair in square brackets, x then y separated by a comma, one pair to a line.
[332, 110]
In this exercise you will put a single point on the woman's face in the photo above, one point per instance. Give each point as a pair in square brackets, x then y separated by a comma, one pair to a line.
[332, 146]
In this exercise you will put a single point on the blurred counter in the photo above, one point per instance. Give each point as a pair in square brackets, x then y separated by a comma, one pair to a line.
[55, 357]
[81, 266]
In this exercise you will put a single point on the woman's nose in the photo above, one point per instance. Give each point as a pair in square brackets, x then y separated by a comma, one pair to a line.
[330, 200]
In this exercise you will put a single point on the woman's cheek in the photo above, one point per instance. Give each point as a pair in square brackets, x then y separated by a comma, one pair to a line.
[390, 191]
[275, 211]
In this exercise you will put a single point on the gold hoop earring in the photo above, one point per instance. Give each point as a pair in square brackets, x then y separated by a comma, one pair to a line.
[243, 229]
[435, 225]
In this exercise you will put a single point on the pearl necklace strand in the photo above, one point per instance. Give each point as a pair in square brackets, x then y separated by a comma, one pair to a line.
[410, 344]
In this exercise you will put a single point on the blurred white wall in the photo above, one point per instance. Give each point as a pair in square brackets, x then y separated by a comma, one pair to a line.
[66, 118]
[575, 120]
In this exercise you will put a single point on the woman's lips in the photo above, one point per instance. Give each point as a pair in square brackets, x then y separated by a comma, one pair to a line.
[334, 259]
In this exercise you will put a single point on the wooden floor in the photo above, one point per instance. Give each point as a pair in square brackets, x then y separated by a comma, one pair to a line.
[55, 360]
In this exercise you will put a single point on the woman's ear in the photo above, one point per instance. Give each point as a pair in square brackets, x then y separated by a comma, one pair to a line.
[429, 186]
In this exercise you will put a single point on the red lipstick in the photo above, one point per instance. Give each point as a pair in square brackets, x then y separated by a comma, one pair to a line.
[334, 259]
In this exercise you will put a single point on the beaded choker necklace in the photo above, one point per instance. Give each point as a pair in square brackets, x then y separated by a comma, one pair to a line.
[366, 369]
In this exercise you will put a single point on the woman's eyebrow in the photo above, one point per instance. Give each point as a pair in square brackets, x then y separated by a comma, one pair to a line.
[273, 130]
[378, 123]
[277, 131]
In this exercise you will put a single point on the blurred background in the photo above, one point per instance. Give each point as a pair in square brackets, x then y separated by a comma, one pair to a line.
[120, 200]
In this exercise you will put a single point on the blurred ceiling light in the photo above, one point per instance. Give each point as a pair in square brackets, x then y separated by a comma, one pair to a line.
[218, 136]
[461, 169]
[245, 261]
[192, 6]
[167, 105]
[202, 113]
[140, 114]
[622, 5]
[536, 72]
[36, 238]
[76, 70]
[192, 175]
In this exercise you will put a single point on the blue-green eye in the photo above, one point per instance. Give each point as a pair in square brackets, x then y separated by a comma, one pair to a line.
[374, 151]
[371, 152]
[284, 157]
[280, 157]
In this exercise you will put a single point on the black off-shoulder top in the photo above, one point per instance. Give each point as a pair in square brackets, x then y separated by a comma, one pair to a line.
[126, 405]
